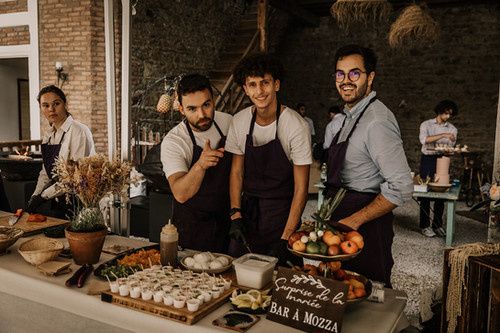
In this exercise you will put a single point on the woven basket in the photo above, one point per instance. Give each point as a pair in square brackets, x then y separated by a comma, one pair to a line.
[8, 236]
[36, 251]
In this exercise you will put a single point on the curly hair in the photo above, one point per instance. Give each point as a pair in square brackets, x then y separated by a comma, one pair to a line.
[258, 64]
[445, 105]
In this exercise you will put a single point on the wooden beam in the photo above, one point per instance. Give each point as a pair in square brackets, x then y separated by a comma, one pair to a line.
[298, 12]
[262, 24]
[496, 162]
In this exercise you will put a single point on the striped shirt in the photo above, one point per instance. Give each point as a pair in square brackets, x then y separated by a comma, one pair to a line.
[432, 127]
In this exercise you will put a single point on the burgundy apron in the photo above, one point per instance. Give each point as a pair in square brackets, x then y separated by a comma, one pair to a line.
[203, 221]
[268, 187]
[375, 260]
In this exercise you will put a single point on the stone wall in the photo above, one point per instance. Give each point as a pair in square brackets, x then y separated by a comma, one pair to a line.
[462, 66]
[174, 37]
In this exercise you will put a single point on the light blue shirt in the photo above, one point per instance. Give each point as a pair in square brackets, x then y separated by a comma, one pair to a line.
[432, 127]
[375, 160]
[332, 128]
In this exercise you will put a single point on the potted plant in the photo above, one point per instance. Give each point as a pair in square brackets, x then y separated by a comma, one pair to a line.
[85, 182]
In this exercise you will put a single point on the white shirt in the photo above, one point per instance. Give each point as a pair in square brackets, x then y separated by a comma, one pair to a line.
[332, 129]
[311, 125]
[430, 128]
[177, 147]
[77, 143]
[293, 133]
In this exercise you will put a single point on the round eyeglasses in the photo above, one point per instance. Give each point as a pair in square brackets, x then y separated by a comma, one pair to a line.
[353, 75]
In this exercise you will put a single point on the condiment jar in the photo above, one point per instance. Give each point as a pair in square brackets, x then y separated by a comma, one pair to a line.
[169, 238]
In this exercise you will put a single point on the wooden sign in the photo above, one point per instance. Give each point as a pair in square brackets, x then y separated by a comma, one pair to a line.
[307, 302]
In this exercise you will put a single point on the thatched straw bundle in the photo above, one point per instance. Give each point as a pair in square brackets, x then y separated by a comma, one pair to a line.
[413, 26]
[348, 12]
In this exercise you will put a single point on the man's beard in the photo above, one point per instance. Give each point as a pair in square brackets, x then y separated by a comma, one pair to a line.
[360, 93]
[207, 123]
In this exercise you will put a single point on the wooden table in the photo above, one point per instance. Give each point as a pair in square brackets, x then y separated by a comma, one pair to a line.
[450, 197]
[52, 307]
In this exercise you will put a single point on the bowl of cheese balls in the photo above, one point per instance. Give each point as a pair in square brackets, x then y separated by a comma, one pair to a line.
[207, 262]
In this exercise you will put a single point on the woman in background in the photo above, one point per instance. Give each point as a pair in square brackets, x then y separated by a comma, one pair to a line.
[67, 139]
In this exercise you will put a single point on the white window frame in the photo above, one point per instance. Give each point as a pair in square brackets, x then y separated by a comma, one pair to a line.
[29, 51]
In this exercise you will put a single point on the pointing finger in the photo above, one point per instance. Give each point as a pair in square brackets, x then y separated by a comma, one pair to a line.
[207, 145]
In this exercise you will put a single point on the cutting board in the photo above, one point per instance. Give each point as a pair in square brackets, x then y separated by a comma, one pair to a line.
[30, 228]
[159, 309]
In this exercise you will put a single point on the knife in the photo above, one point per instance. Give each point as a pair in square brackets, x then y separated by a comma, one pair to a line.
[15, 218]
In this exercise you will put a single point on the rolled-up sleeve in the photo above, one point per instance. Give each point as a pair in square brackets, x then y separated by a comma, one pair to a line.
[423, 133]
[386, 150]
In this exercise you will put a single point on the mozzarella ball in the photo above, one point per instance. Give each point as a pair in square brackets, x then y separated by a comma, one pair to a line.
[215, 264]
[223, 260]
[189, 261]
[201, 257]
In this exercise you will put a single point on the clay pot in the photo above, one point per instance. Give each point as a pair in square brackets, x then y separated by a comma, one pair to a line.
[86, 247]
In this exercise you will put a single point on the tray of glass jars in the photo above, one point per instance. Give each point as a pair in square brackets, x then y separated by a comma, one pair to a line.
[181, 295]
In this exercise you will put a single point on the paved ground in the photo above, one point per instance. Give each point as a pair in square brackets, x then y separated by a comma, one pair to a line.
[419, 259]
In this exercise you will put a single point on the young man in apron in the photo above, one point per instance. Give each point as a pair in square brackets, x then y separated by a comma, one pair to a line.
[271, 146]
[367, 158]
[435, 131]
[197, 168]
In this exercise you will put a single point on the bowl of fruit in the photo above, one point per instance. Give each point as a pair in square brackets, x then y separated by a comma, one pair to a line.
[359, 287]
[325, 244]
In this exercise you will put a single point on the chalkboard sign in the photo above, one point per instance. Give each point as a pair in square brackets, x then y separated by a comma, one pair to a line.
[307, 302]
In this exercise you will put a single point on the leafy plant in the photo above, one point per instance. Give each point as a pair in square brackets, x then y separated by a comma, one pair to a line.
[322, 216]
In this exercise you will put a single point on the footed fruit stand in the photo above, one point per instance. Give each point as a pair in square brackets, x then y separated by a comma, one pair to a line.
[32, 301]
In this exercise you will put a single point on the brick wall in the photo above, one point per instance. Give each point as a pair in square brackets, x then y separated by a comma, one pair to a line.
[14, 35]
[462, 66]
[73, 32]
[13, 6]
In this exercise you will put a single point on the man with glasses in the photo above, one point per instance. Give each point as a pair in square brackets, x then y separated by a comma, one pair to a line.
[366, 158]
[435, 131]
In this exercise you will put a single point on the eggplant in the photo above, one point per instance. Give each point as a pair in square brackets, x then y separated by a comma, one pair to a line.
[81, 279]
[73, 280]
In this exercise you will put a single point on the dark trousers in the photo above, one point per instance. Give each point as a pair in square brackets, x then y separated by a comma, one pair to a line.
[428, 168]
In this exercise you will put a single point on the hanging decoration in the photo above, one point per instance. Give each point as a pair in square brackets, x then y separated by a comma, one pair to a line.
[349, 12]
[414, 26]
[166, 103]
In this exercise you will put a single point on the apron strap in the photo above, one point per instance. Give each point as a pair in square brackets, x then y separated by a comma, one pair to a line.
[60, 141]
[254, 117]
[357, 120]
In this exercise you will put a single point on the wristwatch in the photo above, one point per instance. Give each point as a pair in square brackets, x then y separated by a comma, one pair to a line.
[234, 211]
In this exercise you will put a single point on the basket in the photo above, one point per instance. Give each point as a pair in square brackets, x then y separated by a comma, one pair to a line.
[8, 236]
[36, 251]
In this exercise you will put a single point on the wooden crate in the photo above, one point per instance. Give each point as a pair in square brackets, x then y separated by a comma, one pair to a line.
[481, 298]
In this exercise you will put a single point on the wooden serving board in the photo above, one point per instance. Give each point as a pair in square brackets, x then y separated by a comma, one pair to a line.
[169, 312]
[30, 228]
